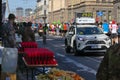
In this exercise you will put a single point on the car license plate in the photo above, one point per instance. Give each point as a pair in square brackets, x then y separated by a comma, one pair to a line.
[95, 46]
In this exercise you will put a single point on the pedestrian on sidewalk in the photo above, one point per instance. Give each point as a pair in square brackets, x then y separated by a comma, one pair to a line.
[28, 33]
[8, 32]
[9, 53]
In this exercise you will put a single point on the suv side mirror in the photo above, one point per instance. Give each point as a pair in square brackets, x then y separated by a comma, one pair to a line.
[71, 33]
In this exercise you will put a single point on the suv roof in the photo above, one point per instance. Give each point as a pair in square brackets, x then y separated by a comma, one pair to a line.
[84, 25]
[85, 20]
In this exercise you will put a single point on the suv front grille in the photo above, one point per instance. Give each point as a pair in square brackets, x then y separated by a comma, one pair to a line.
[95, 42]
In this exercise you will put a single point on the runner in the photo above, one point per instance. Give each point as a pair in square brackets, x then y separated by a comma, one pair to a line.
[114, 34]
[105, 27]
[118, 32]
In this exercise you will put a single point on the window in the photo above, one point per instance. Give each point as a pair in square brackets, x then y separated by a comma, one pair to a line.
[97, 1]
[89, 30]
[104, 15]
[103, 1]
[109, 16]
[38, 0]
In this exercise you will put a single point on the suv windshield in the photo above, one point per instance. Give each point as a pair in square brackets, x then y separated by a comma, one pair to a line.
[88, 30]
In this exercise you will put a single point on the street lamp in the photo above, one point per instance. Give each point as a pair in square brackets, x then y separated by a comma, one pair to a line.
[31, 15]
[44, 28]
[45, 8]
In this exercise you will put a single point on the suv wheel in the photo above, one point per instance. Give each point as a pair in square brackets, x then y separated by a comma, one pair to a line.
[67, 48]
[75, 49]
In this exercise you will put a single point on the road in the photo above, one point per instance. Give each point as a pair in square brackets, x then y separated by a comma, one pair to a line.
[85, 65]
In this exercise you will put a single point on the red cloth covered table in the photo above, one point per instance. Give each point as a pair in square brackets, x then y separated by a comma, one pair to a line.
[39, 57]
[27, 45]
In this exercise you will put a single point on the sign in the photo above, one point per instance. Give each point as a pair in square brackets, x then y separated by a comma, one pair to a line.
[85, 20]
[100, 13]
[86, 14]
[95, 46]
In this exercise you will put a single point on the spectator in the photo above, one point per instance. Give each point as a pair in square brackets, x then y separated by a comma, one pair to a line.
[28, 33]
[10, 50]
[22, 29]
[109, 68]
[9, 32]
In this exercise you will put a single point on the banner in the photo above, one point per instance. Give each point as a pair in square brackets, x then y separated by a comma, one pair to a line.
[84, 14]
[3, 11]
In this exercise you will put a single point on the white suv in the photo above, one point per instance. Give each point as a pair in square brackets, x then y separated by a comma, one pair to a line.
[86, 38]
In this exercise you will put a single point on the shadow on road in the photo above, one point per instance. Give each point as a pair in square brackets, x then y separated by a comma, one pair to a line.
[88, 54]
[92, 54]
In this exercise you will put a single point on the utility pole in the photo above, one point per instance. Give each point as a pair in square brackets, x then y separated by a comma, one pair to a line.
[45, 6]
[45, 26]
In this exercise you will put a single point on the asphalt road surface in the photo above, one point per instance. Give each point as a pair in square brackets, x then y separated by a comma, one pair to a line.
[85, 65]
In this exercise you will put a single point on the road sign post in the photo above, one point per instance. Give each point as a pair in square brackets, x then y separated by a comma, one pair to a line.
[100, 14]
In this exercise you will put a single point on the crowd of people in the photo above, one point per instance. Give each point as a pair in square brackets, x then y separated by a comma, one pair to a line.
[10, 29]
[112, 29]
[55, 29]
[27, 29]
[109, 66]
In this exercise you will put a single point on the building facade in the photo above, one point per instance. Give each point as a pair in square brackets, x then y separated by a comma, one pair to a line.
[28, 11]
[42, 11]
[19, 13]
[116, 10]
[65, 10]
[57, 11]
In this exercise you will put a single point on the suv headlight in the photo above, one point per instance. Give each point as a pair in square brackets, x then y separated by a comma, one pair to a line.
[107, 38]
[81, 39]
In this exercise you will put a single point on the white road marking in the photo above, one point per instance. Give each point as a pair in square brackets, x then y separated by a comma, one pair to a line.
[60, 55]
[42, 39]
[83, 67]
[93, 59]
